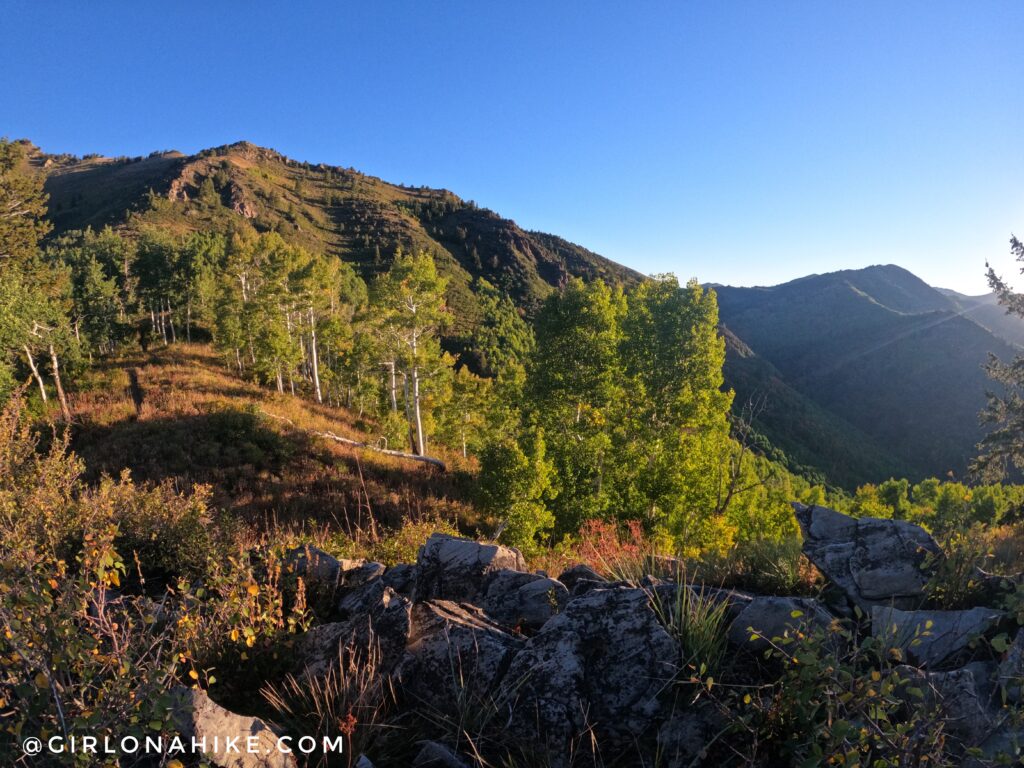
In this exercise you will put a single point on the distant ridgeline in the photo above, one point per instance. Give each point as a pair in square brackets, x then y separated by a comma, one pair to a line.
[866, 374]
[854, 376]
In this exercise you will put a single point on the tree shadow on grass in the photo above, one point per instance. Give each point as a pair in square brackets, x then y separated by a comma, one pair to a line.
[266, 475]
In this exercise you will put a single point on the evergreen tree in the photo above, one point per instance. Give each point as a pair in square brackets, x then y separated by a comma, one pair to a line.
[1003, 446]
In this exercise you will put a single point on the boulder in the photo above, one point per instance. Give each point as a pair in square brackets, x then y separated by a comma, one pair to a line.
[874, 562]
[321, 569]
[436, 755]
[599, 664]
[569, 577]
[377, 632]
[771, 617]
[539, 600]
[450, 568]
[362, 573]
[523, 600]
[401, 578]
[930, 638]
[454, 651]
[316, 566]
[231, 740]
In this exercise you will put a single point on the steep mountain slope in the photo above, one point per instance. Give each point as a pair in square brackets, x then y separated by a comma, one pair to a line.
[327, 209]
[879, 349]
[986, 312]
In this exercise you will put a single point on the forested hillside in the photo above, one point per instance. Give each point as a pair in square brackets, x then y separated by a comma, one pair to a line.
[324, 209]
[879, 350]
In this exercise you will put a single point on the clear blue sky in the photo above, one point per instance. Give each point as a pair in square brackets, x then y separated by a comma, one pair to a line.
[739, 142]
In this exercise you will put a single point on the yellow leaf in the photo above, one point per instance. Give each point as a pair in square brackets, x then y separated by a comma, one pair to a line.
[175, 764]
[53, 583]
[876, 675]
[746, 699]
[113, 578]
[42, 681]
[253, 590]
[193, 674]
[234, 634]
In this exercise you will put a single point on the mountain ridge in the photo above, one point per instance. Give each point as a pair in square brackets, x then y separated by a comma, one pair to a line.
[838, 360]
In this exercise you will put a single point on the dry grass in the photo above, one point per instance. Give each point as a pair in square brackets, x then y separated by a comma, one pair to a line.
[199, 423]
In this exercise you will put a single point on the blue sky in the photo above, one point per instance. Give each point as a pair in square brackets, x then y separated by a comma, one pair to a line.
[738, 142]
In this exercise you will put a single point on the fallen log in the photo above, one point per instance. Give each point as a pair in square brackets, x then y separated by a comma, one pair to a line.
[359, 444]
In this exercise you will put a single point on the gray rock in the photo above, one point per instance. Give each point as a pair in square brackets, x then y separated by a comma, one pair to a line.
[198, 717]
[570, 576]
[960, 696]
[316, 566]
[601, 663]
[364, 762]
[523, 600]
[401, 578]
[772, 617]
[930, 638]
[685, 735]
[1011, 670]
[540, 600]
[454, 650]
[437, 755]
[378, 632]
[362, 573]
[450, 568]
[583, 586]
[874, 562]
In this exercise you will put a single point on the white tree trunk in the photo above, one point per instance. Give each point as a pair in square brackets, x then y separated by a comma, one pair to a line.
[35, 372]
[55, 366]
[313, 356]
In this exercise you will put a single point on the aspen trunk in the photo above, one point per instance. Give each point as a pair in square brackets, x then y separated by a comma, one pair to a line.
[313, 356]
[408, 414]
[421, 439]
[170, 322]
[55, 366]
[35, 372]
[394, 387]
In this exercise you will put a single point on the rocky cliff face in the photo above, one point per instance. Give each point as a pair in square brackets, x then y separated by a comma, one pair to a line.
[578, 665]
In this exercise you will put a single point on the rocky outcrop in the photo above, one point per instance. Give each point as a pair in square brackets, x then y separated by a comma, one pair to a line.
[599, 664]
[450, 568]
[873, 562]
[231, 740]
[377, 630]
[453, 651]
[557, 663]
[932, 638]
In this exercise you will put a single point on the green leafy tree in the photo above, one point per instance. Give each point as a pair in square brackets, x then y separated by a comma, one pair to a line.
[516, 487]
[409, 313]
[22, 205]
